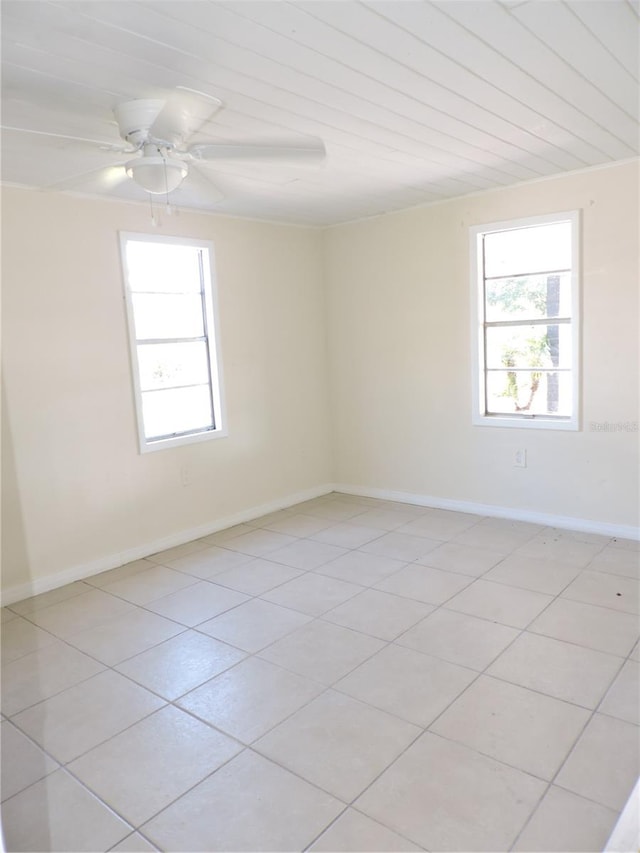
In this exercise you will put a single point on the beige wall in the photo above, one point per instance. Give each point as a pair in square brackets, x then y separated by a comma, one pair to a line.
[399, 344]
[390, 296]
[75, 488]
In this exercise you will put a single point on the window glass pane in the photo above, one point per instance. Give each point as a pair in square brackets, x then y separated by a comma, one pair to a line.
[528, 297]
[539, 248]
[168, 365]
[176, 410]
[529, 346]
[167, 315]
[528, 393]
[163, 267]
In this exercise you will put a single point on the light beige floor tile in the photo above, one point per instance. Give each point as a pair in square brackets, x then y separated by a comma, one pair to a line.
[197, 603]
[75, 721]
[360, 567]
[408, 510]
[122, 638]
[625, 544]
[46, 599]
[354, 832]
[401, 546]
[150, 585]
[298, 524]
[7, 615]
[463, 559]
[362, 500]
[210, 562]
[20, 638]
[177, 551]
[554, 546]
[498, 534]
[251, 698]
[499, 603]
[321, 501]
[344, 510]
[432, 586]
[80, 612]
[409, 684]
[257, 576]
[306, 554]
[635, 653]
[575, 535]
[264, 521]
[148, 766]
[120, 573]
[522, 728]
[312, 593]
[58, 814]
[566, 823]
[23, 763]
[623, 698]
[381, 519]
[440, 524]
[180, 664]
[378, 613]
[613, 591]
[444, 796]
[588, 625]
[459, 638]
[616, 561]
[337, 743]
[626, 832]
[605, 763]
[221, 536]
[322, 651]
[347, 535]
[377, 518]
[133, 843]
[558, 669]
[42, 674]
[254, 625]
[534, 573]
[251, 795]
[257, 543]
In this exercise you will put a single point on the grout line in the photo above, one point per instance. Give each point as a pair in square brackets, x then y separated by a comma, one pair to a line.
[571, 751]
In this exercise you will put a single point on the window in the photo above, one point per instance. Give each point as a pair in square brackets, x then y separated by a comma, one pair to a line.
[525, 322]
[171, 313]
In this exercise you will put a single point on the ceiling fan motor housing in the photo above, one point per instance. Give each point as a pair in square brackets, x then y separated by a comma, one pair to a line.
[135, 118]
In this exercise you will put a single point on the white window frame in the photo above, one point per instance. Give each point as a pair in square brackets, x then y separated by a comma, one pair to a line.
[520, 420]
[210, 315]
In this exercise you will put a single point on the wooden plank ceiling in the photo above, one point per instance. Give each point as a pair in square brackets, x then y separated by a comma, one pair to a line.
[415, 101]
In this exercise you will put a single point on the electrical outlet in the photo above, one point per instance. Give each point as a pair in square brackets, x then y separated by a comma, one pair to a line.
[184, 475]
[520, 458]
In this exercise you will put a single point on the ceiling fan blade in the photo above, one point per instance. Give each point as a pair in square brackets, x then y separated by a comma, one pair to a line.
[298, 153]
[96, 181]
[95, 143]
[202, 185]
[183, 113]
[308, 152]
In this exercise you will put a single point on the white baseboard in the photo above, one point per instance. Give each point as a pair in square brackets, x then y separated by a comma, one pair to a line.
[622, 531]
[19, 592]
[113, 561]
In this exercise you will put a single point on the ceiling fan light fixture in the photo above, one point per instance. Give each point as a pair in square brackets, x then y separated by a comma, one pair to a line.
[157, 175]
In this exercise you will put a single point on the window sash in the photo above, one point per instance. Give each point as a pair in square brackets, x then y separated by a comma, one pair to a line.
[148, 439]
[483, 414]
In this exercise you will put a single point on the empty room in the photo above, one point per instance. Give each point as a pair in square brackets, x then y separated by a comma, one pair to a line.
[320, 406]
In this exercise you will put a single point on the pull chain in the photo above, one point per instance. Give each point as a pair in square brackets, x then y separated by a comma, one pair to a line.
[154, 221]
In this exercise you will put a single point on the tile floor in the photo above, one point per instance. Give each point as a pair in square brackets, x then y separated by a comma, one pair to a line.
[345, 675]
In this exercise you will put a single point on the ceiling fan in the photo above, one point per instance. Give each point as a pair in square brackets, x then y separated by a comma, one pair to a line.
[156, 132]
